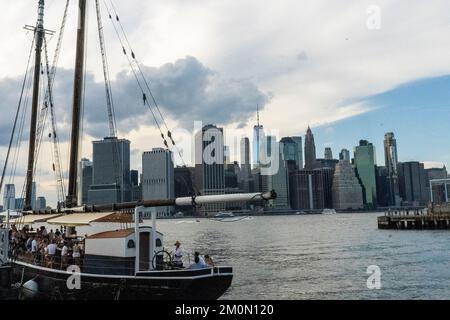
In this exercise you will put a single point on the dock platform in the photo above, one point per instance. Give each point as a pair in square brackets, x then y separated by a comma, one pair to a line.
[414, 220]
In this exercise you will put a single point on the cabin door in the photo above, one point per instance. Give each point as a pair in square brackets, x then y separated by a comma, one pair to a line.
[144, 251]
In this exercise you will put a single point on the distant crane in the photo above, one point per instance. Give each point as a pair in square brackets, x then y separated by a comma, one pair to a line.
[109, 100]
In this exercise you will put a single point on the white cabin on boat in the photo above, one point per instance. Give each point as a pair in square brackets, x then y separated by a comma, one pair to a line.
[114, 252]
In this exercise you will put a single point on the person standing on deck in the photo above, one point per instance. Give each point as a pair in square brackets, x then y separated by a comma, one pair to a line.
[177, 256]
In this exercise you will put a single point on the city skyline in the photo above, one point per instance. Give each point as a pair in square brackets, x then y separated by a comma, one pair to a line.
[286, 81]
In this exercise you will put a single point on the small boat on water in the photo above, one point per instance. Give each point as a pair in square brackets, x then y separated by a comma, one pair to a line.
[224, 215]
[328, 211]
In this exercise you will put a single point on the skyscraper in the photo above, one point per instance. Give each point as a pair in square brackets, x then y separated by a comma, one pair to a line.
[347, 192]
[85, 173]
[298, 140]
[41, 203]
[310, 189]
[364, 156]
[110, 171]
[158, 178]
[245, 165]
[310, 150]
[344, 155]
[381, 174]
[9, 197]
[291, 149]
[328, 154]
[279, 179]
[391, 160]
[209, 165]
[413, 183]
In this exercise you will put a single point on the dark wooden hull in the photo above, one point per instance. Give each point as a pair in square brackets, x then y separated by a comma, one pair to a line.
[209, 284]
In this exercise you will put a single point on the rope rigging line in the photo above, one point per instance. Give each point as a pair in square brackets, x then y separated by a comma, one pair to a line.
[47, 104]
[16, 116]
[117, 160]
[137, 65]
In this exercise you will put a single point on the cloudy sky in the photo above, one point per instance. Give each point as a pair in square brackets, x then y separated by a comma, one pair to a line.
[351, 69]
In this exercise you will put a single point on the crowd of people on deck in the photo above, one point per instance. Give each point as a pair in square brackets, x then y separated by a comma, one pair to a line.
[51, 249]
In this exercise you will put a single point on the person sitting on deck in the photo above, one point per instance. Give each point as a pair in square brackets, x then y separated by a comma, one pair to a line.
[197, 264]
[177, 256]
[209, 261]
[197, 254]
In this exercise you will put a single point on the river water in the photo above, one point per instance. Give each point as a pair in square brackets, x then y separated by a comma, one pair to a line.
[319, 256]
[316, 256]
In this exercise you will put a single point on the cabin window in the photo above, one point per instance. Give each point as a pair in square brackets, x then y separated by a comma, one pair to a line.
[158, 242]
[130, 244]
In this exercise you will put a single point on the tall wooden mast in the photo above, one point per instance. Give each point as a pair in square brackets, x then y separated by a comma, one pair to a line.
[71, 200]
[39, 30]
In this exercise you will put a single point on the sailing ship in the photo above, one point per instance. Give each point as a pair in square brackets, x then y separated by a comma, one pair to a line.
[125, 263]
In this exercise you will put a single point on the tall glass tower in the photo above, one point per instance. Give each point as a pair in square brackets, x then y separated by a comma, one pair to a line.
[365, 161]
[391, 161]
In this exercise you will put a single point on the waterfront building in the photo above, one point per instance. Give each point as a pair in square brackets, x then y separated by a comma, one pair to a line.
[364, 160]
[439, 188]
[209, 166]
[382, 181]
[110, 171]
[9, 197]
[346, 190]
[158, 178]
[310, 150]
[311, 189]
[391, 161]
[413, 183]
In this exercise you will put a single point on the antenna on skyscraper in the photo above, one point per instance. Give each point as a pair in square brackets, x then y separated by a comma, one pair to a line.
[257, 115]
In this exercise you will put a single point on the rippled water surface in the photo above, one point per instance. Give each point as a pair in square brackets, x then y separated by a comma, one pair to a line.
[319, 256]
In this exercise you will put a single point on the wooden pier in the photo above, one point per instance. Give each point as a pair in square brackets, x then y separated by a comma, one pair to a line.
[407, 219]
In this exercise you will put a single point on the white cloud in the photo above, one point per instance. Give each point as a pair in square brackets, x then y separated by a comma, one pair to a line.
[262, 42]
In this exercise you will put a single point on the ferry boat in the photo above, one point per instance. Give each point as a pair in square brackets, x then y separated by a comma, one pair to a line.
[128, 262]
